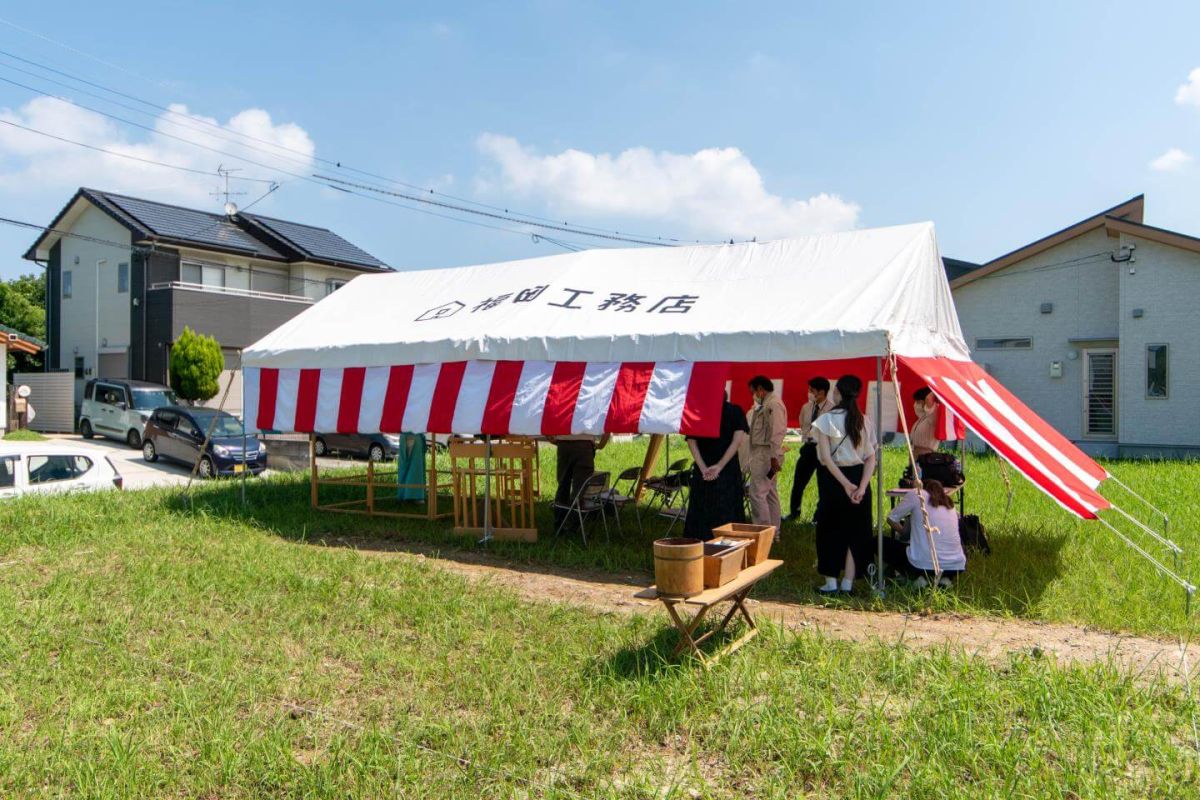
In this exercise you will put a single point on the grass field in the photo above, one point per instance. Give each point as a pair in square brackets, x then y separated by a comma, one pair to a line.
[1045, 564]
[24, 435]
[146, 651]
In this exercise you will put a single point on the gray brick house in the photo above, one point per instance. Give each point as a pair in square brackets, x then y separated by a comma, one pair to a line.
[126, 275]
[1094, 326]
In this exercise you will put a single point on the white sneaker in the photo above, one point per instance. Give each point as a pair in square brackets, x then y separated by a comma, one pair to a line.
[920, 582]
[945, 582]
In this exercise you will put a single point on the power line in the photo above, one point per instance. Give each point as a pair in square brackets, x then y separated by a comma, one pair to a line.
[77, 51]
[120, 154]
[505, 212]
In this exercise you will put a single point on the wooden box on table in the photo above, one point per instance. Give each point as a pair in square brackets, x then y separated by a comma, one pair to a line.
[759, 536]
[723, 560]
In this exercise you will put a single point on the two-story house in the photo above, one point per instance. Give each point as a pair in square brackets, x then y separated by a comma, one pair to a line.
[1095, 327]
[126, 275]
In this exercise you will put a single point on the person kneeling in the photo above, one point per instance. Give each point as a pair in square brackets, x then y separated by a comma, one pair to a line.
[916, 560]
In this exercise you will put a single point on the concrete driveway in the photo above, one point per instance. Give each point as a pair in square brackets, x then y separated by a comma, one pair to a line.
[129, 463]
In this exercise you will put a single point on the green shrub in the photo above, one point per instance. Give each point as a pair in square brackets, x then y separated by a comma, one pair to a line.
[196, 364]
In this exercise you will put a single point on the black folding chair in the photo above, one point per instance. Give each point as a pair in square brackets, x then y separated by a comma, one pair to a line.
[587, 501]
[676, 509]
[664, 489]
[618, 499]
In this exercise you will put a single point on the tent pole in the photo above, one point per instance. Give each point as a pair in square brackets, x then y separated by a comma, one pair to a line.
[487, 491]
[879, 474]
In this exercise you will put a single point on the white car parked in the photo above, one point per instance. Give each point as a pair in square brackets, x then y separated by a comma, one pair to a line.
[119, 409]
[50, 467]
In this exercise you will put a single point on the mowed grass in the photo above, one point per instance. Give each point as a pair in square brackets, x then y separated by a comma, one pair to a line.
[149, 651]
[24, 435]
[1045, 565]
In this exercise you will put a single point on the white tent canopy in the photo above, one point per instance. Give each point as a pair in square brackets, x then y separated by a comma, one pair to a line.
[813, 298]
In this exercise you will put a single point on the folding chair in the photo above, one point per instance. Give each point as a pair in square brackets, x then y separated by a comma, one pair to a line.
[665, 488]
[587, 501]
[618, 499]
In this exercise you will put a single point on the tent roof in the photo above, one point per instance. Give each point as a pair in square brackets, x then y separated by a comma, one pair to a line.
[818, 297]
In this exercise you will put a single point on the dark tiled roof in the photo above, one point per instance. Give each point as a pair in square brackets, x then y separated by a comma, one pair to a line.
[956, 268]
[189, 226]
[317, 243]
[249, 234]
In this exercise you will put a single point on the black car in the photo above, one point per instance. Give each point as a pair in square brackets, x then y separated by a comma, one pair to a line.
[375, 446]
[177, 433]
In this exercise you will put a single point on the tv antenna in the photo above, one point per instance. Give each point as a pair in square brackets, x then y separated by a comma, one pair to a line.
[230, 206]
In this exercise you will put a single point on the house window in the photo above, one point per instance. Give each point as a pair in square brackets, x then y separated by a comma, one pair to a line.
[1008, 343]
[122, 278]
[333, 284]
[1156, 371]
[202, 274]
[79, 367]
[66, 284]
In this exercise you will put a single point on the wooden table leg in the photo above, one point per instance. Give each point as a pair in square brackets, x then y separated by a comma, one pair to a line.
[687, 629]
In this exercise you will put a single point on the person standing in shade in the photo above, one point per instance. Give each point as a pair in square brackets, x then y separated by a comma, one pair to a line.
[768, 426]
[576, 463]
[715, 489]
[846, 447]
[924, 431]
[807, 464]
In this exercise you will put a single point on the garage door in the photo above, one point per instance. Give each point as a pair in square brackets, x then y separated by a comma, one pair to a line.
[114, 366]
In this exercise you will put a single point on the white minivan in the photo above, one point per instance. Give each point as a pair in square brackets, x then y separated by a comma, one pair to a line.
[51, 467]
[119, 409]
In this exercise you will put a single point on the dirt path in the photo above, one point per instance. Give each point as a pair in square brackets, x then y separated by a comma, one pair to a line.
[993, 639]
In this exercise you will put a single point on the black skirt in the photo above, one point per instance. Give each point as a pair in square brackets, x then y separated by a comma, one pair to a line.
[843, 525]
[713, 503]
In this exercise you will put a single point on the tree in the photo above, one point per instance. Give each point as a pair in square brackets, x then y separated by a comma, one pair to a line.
[23, 308]
[196, 364]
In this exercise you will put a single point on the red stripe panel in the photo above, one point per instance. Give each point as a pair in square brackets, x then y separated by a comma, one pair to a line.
[562, 396]
[268, 388]
[396, 398]
[705, 395]
[306, 400]
[501, 396]
[445, 397]
[628, 397]
[351, 399]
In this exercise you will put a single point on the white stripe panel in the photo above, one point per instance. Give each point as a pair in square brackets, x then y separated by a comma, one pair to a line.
[989, 395]
[530, 400]
[595, 396]
[250, 378]
[329, 398]
[473, 396]
[420, 397]
[370, 409]
[662, 411]
[285, 400]
[998, 431]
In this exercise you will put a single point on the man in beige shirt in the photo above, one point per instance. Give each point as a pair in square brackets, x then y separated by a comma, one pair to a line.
[807, 464]
[768, 425]
[923, 434]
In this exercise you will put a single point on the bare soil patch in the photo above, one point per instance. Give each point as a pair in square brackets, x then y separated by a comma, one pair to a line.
[992, 638]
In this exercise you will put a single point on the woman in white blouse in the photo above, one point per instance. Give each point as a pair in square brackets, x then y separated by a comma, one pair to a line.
[846, 449]
[916, 559]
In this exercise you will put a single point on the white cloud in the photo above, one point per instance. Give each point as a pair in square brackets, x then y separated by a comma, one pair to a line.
[1188, 94]
[715, 192]
[1171, 161]
[29, 161]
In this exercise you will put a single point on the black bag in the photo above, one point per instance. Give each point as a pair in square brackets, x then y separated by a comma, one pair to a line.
[941, 467]
[970, 531]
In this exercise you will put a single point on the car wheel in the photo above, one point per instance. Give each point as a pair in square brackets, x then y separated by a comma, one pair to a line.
[85, 429]
[375, 453]
[149, 452]
[135, 439]
[319, 446]
[206, 468]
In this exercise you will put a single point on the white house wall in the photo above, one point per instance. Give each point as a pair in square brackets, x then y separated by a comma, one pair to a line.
[1008, 304]
[78, 328]
[1165, 284]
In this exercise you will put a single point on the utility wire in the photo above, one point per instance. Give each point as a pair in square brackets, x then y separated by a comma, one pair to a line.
[77, 51]
[328, 182]
[507, 213]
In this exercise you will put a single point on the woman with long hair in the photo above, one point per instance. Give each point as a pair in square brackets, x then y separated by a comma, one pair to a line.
[846, 449]
[716, 495]
[916, 559]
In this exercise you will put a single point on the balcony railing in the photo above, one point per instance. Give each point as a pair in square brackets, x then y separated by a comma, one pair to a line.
[229, 290]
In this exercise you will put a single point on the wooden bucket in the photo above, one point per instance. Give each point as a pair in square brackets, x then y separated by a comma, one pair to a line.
[679, 567]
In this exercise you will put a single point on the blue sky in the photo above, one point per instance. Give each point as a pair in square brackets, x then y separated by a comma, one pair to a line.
[1001, 123]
